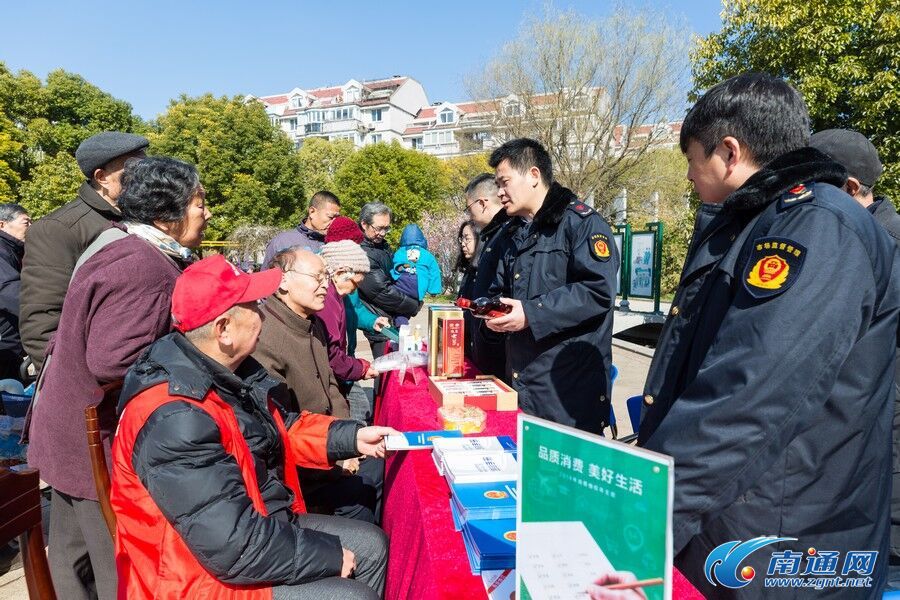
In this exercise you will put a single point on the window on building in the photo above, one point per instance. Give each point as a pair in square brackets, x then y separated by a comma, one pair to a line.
[375, 138]
[292, 124]
[295, 101]
[513, 109]
[274, 121]
[416, 143]
[343, 113]
[447, 116]
[377, 114]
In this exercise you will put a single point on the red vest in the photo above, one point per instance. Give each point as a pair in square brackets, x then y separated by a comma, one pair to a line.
[151, 558]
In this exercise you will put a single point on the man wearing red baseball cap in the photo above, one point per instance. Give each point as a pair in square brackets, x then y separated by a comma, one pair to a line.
[205, 486]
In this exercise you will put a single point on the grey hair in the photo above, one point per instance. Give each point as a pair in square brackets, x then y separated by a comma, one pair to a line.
[368, 211]
[9, 211]
[284, 259]
[204, 332]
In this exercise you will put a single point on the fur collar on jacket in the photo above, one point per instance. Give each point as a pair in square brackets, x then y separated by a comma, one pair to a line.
[783, 173]
[554, 207]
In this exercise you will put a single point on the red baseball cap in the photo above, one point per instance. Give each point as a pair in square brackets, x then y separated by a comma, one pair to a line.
[211, 286]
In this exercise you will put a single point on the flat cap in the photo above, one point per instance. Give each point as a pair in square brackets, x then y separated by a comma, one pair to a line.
[105, 146]
[852, 150]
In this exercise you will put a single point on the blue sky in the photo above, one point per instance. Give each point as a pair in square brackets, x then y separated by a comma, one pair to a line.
[149, 52]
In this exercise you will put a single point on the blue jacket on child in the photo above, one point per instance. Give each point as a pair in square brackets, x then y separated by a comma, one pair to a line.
[413, 241]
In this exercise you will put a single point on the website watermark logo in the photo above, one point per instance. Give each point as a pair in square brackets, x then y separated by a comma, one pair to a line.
[786, 567]
[724, 563]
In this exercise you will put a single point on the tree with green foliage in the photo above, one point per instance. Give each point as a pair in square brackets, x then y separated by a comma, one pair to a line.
[41, 125]
[10, 148]
[408, 181]
[249, 169]
[460, 171]
[53, 182]
[658, 191]
[843, 56]
[320, 160]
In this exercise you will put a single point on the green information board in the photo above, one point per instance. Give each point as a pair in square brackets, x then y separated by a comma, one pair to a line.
[589, 506]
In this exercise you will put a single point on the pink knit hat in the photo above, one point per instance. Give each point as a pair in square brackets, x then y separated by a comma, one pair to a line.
[344, 255]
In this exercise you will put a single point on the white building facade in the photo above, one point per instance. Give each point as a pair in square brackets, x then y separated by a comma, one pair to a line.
[397, 109]
[364, 112]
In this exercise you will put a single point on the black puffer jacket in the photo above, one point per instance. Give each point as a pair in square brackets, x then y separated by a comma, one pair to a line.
[11, 251]
[179, 458]
[377, 290]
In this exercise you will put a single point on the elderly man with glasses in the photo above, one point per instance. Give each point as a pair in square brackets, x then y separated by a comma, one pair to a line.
[377, 290]
[293, 347]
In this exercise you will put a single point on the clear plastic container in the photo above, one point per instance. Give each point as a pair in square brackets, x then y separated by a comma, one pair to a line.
[467, 419]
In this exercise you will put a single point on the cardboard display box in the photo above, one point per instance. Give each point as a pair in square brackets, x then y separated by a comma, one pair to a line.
[485, 391]
[435, 313]
[451, 347]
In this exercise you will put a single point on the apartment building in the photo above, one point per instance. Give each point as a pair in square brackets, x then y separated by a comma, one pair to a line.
[364, 112]
[397, 108]
[447, 129]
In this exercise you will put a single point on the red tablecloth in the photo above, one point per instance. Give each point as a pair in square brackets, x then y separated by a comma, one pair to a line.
[427, 557]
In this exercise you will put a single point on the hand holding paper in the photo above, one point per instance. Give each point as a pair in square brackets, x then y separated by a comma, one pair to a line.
[370, 440]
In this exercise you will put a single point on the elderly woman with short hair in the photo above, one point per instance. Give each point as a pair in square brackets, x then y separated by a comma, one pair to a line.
[117, 304]
[347, 265]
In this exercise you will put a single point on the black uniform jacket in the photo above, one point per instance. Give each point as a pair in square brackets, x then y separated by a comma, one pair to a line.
[772, 384]
[489, 347]
[562, 267]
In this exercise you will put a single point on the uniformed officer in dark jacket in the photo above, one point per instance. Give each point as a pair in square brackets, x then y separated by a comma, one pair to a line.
[772, 382]
[859, 156]
[560, 278]
[483, 206]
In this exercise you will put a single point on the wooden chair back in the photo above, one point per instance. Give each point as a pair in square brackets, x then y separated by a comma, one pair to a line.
[99, 469]
[20, 516]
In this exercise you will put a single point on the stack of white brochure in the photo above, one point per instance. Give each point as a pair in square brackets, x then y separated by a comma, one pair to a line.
[446, 446]
[478, 467]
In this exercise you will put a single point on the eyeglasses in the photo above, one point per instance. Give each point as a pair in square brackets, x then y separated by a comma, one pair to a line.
[384, 229]
[321, 278]
[468, 208]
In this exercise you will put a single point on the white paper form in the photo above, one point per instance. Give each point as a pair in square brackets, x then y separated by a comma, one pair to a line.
[570, 560]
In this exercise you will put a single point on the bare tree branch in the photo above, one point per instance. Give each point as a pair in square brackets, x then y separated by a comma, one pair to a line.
[598, 94]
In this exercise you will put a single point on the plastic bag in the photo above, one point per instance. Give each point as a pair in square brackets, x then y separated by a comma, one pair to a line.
[400, 361]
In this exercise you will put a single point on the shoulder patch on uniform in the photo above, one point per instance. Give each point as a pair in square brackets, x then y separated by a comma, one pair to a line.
[600, 247]
[773, 267]
[580, 208]
[799, 194]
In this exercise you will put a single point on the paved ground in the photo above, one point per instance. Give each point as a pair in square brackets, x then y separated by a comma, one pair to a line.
[632, 362]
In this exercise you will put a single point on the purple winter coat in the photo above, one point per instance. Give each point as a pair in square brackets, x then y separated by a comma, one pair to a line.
[118, 303]
[301, 235]
[334, 316]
